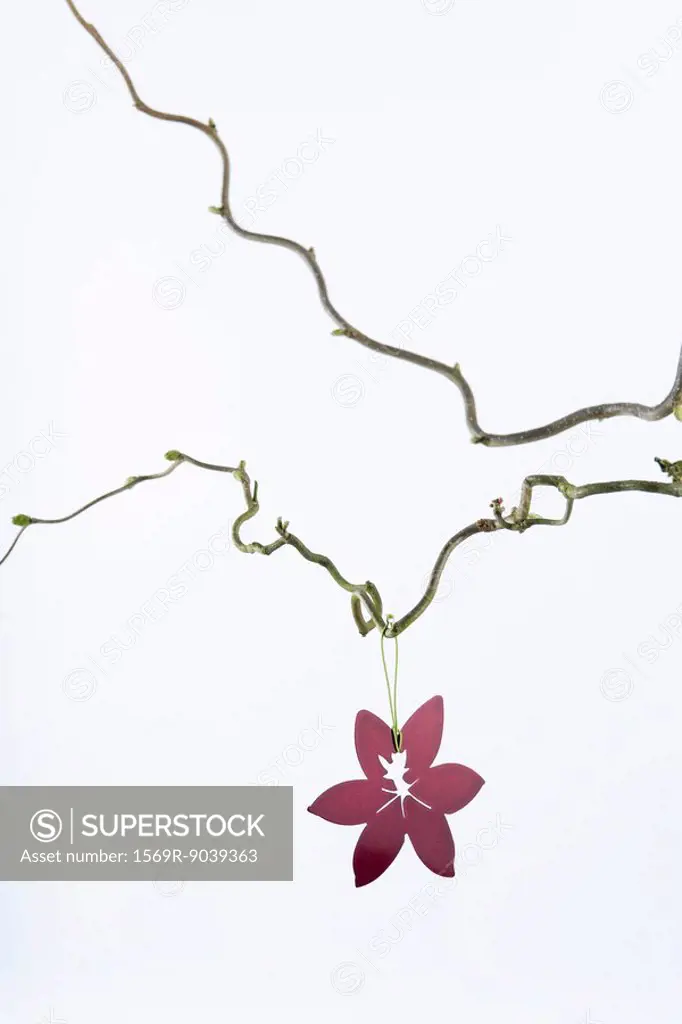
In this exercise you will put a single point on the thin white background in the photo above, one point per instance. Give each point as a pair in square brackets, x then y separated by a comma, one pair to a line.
[446, 125]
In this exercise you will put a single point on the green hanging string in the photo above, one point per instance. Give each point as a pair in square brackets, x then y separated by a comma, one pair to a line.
[392, 688]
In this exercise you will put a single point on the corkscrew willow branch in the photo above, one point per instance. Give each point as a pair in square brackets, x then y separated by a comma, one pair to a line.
[366, 601]
[362, 594]
[452, 373]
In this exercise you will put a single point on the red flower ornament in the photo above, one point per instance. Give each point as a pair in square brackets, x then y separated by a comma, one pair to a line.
[402, 794]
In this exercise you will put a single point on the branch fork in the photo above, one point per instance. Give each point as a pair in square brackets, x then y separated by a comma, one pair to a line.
[366, 600]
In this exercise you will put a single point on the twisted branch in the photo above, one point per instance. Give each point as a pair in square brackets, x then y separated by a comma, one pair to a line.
[521, 518]
[366, 602]
[365, 597]
[452, 373]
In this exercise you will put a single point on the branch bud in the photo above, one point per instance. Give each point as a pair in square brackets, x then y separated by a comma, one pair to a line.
[673, 469]
[22, 520]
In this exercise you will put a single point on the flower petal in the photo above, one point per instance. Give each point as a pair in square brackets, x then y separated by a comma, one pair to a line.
[372, 737]
[379, 844]
[431, 837]
[349, 803]
[422, 734]
[448, 787]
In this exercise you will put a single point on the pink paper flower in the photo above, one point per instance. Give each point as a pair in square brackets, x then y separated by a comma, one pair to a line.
[402, 794]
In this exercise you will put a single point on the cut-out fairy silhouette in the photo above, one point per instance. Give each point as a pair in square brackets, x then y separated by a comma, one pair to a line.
[395, 772]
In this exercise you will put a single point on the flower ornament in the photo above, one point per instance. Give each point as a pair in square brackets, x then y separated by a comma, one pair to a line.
[401, 795]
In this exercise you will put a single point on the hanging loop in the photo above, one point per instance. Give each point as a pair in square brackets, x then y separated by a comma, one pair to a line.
[392, 686]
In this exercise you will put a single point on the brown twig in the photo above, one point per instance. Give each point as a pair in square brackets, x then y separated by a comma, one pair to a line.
[607, 410]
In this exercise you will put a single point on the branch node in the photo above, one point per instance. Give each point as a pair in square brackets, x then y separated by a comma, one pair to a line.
[22, 520]
[283, 528]
[672, 469]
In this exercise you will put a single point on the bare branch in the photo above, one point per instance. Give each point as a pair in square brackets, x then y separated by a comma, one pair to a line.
[345, 328]
[366, 602]
[363, 595]
[521, 519]
[25, 521]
